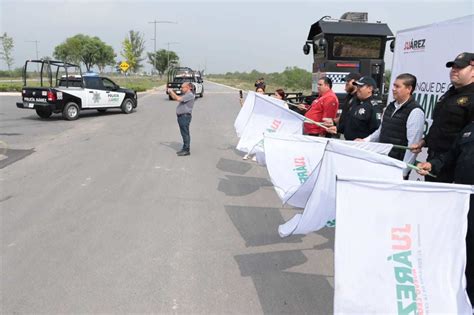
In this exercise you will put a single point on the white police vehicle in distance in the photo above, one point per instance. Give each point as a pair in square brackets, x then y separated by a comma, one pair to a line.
[179, 75]
[73, 93]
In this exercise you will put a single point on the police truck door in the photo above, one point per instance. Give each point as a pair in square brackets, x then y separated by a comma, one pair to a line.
[113, 98]
[95, 93]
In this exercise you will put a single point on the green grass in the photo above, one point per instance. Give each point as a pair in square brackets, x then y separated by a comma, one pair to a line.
[293, 79]
[138, 84]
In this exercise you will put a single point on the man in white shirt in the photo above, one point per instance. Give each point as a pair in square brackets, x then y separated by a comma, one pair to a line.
[402, 121]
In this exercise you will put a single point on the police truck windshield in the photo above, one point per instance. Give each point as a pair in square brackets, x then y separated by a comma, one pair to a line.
[356, 47]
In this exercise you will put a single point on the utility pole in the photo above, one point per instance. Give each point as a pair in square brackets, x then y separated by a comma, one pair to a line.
[154, 37]
[36, 45]
[168, 52]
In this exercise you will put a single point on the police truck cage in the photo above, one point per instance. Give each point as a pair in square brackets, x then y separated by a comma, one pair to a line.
[62, 71]
[348, 44]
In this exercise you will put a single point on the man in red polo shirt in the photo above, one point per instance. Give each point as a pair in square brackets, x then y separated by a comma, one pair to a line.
[322, 110]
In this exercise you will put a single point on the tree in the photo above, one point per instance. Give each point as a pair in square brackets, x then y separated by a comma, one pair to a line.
[6, 50]
[132, 50]
[162, 60]
[88, 50]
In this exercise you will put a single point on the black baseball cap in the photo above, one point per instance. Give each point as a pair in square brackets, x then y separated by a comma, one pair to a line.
[365, 81]
[352, 76]
[462, 60]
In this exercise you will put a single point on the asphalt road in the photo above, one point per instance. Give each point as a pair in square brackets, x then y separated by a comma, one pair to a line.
[99, 215]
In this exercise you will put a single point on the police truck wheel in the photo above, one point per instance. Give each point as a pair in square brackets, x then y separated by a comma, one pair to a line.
[202, 93]
[71, 111]
[44, 112]
[127, 106]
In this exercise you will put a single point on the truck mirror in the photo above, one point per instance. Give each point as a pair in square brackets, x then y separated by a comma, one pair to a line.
[306, 49]
[392, 45]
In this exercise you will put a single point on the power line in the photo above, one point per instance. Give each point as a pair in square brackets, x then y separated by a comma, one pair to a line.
[154, 37]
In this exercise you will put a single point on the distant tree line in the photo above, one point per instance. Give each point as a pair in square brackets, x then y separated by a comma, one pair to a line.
[93, 52]
[292, 78]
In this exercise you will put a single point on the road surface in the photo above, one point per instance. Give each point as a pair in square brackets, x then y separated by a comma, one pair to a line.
[99, 215]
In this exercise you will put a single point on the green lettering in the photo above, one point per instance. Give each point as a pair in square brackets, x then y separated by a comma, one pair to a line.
[410, 309]
[406, 292]
[403, 274]
[431, 105]
[402, 258]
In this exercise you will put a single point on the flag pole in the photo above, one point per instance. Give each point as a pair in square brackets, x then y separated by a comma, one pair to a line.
[416, 168]
[402, 147]
[310, 120]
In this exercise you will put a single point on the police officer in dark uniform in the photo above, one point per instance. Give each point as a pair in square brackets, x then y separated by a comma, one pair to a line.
[460, 158]
[364, 116]
[454, 110]
[351, 99]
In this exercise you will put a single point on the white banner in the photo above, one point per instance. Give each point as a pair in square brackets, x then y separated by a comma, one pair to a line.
[302, 141]
[424, 51]
[244, 113]
[318, 193]
[292, 158]
[268, 115]
[400, 247]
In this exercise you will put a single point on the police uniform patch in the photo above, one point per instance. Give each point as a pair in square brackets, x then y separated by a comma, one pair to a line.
[361, 111]
[462, 101]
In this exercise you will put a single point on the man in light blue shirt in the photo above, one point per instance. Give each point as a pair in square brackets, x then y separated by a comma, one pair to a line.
[183, 112]
[402, 121]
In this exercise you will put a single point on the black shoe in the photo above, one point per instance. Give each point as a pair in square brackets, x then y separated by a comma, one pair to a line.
[179, 152]
[183, 153]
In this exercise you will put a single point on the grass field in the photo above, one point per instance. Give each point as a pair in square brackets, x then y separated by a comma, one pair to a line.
[291, 80]
[137, 83]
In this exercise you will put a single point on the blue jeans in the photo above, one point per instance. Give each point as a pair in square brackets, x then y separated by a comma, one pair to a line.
[184, 121]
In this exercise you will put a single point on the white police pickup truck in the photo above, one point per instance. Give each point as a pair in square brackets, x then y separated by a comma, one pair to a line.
[73, 93]
[179, 75]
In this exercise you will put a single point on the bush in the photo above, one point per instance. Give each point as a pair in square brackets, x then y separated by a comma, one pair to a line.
[292, 79]
[11, 87]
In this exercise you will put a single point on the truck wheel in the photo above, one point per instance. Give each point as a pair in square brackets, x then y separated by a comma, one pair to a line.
[44, 112]
[202, 93]
[127, 106]
[71, 111]
[102, 110]
[170, 98]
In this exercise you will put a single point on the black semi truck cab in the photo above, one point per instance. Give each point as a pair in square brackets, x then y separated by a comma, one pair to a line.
[348, 44]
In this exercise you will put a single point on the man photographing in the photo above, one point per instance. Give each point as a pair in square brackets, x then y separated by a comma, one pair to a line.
[183, 112]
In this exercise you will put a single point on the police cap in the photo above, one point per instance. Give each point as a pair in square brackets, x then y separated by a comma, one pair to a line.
[462, 60]
[365, 81]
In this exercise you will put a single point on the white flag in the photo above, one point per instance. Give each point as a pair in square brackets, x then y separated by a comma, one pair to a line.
[268, 115]
[244, 113]
[293, 158]
[339, 160]
[400, 247]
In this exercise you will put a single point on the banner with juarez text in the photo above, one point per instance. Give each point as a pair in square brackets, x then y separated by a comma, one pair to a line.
[423, 51]
[293, 158]
[318, 193]
[400, 247]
